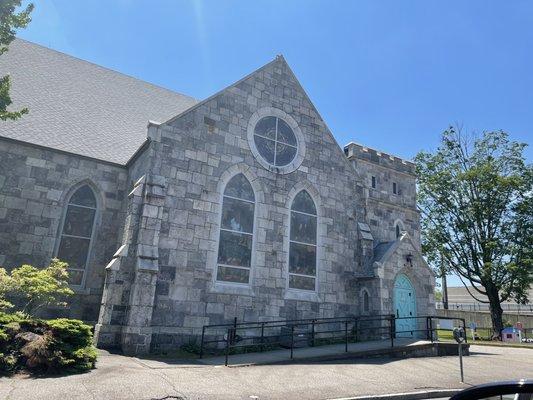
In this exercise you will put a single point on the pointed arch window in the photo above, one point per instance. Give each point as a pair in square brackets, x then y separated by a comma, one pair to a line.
[366, 302]
[398, 228]
[236, 232]
[302, 243]
[77, 232]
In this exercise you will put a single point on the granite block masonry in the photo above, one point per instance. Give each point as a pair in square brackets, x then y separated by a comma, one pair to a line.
[310, 231]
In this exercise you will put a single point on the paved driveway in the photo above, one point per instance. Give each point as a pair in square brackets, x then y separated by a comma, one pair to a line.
[119, 377]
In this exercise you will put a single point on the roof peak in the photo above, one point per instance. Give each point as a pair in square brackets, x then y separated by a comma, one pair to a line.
[278, 58]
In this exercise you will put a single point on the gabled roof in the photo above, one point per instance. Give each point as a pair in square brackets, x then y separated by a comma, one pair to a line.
[382, 249]
[281, 62]
[385, 250]
[79, 107]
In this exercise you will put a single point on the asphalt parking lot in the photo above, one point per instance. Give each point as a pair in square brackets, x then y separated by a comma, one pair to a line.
[125, 378]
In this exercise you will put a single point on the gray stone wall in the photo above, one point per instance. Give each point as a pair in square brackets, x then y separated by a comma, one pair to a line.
[34, 186]
[161, 288]
[154, 254]
[384, 207]
[197, 153]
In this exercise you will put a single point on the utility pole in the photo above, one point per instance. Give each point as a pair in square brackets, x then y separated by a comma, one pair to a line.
[444, 287]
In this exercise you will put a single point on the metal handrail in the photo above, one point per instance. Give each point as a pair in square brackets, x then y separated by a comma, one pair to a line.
[349, 329]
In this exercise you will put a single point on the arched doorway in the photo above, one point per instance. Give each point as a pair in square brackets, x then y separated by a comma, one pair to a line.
[404, 306]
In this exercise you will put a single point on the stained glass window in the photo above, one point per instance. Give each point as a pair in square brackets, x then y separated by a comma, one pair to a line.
[275, 141]
[302, 243]
[76, 234]
[236, 231]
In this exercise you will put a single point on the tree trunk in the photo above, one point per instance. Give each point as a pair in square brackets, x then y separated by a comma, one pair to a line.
[496, 312]
[444, 291]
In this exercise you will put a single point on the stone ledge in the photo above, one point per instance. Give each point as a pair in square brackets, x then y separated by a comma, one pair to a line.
[302, 296]
[228, 288]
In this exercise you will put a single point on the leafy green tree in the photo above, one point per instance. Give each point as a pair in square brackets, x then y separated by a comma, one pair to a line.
[33, 288]
[10, 21]
[476, 202]
[5, 281]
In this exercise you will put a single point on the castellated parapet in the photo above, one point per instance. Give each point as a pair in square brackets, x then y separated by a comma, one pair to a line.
[391, 185]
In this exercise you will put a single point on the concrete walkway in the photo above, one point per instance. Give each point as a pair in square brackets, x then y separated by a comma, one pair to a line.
[318, 353]
[125, 378]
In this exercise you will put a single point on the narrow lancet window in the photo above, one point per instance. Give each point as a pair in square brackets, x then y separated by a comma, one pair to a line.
[77, 232]
[236, 231]
[302, 243]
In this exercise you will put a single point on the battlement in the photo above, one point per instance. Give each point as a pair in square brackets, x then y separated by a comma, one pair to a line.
[357, 151]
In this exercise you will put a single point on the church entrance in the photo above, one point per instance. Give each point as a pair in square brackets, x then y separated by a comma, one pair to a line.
[404, 306]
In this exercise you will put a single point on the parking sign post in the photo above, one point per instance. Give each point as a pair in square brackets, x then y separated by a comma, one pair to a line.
[459, 336]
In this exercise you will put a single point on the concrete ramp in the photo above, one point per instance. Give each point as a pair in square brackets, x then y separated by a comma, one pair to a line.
[403, 348]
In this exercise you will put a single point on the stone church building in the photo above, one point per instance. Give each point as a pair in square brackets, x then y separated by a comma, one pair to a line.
[175, 213]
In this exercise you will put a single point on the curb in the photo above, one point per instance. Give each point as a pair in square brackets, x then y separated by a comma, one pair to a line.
[426, 394]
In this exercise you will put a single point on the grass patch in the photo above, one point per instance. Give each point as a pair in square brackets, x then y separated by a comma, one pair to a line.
[446, 335]
[482, 333]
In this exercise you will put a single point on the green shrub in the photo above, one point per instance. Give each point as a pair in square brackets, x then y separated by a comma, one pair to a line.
[72, 343]
[191, 347]
[8, 363]
[8, 360]
[50, 346]
[34, 288]
[4, 337]
[6, 318]
[84, 358]
[72, 331]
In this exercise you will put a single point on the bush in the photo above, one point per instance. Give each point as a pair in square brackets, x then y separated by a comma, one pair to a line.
[6, 360]
[17, 317]
[34, 288]
[72, 344]
[191, 347]
[45, 346]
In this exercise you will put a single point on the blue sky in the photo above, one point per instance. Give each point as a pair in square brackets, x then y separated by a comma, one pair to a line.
[388, 74]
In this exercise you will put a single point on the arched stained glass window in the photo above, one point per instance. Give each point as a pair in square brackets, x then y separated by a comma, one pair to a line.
[77, 232]
[302, 243]
[236, 231]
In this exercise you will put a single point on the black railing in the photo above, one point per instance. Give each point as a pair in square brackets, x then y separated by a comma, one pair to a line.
[513, 307]
[292, 334]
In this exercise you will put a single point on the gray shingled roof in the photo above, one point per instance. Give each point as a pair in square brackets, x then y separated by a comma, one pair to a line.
[381, 249]
[80, 107]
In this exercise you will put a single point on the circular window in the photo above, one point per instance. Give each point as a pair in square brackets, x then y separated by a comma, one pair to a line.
[275, 141]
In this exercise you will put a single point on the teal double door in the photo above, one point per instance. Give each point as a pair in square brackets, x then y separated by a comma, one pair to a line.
[404, 306]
